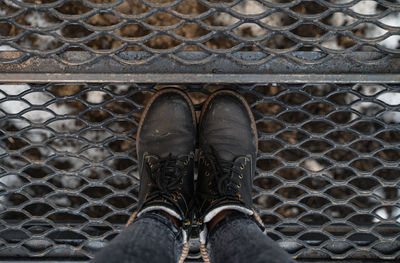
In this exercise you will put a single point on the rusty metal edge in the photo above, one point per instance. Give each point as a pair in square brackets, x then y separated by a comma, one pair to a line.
[200, 67]
[196, 78]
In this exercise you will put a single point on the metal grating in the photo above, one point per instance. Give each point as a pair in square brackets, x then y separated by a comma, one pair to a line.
[277, 28]
[322, 77]
[328, 166]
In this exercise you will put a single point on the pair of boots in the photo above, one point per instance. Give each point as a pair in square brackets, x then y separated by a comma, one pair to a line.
[166, 141]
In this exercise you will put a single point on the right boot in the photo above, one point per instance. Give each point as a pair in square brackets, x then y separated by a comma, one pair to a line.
[165, 144]
[227, 160]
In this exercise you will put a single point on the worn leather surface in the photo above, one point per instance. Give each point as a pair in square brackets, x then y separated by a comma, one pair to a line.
[226, 126]
[167, 128]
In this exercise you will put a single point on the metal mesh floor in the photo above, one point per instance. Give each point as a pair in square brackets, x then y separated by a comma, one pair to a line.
[322, 79]
[327, 171]
[164, 27]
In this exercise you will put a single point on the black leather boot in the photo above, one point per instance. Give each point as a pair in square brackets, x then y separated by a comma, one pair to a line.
[165, 143]
[227, 159]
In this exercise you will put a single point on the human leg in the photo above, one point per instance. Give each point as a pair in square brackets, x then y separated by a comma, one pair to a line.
[227, 163]
[152, 237]
[239, 238]
[165, 144]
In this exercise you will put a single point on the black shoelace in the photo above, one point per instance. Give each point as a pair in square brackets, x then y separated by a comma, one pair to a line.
[167, 173]
[226, 174]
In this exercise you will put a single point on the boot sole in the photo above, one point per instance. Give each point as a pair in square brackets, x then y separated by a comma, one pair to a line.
[153, 98]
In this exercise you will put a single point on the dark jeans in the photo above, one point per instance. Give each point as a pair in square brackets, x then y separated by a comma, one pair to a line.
[154, 238]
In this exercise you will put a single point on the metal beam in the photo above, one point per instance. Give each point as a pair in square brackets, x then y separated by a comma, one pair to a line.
[198, 67]
[196, 78]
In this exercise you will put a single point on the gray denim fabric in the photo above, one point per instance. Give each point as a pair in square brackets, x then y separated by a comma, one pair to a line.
[239, 238]
[152, 237]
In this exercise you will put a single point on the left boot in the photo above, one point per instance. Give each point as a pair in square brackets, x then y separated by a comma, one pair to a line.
[165, 143]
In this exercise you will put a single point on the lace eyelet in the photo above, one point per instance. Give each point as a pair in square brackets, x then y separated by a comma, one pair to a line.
[239, 185]
[241, 176]
[186, 162]
[242, 166]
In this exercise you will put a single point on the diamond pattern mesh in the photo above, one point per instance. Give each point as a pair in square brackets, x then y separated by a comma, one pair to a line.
[327, 183]
[277, 28]
[327, 169]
